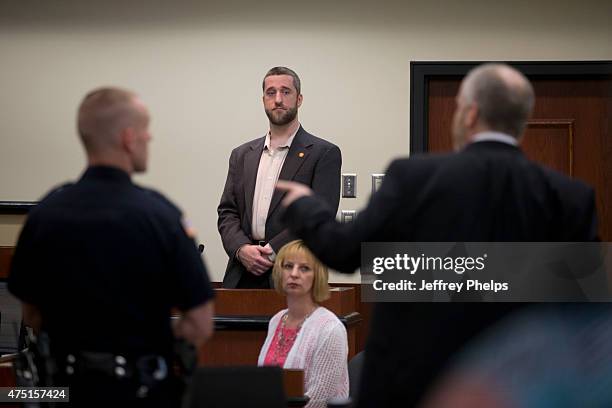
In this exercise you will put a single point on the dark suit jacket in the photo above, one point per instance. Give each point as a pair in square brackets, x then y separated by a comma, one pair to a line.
[318, 167]
[487, 192]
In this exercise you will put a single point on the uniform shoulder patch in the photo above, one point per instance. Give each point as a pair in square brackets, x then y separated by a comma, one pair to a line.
[188, 227]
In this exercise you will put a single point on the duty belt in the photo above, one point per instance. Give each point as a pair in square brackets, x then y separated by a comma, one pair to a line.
[147, 370]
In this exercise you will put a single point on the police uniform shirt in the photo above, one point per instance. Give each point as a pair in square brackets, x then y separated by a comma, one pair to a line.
[105, 261]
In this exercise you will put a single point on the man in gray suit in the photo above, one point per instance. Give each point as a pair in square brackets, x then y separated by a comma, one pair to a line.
[249, 211]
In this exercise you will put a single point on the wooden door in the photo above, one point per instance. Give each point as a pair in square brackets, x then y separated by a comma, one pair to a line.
[570, 131]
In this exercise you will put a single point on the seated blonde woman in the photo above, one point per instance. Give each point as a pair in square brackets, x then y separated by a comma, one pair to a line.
[305, 335]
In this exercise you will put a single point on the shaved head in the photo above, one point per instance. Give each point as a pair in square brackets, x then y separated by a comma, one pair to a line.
[503, 95]
[113, 125]
[103, 114]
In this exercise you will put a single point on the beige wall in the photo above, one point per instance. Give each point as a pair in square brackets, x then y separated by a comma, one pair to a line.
[199, 67]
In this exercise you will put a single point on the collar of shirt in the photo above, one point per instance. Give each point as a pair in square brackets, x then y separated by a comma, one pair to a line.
[107, 173]
[495, 137]
[287, 144]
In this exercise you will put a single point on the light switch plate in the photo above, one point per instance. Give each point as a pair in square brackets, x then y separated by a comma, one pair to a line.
[347, 215]
[377, 180]
[349, 185]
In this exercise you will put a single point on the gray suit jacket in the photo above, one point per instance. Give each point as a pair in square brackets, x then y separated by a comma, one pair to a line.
[318, 167]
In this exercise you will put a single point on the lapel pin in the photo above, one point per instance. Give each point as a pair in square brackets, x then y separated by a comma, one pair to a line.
[301, 154]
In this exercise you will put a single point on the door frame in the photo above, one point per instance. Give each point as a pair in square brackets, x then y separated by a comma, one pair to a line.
[421, 72]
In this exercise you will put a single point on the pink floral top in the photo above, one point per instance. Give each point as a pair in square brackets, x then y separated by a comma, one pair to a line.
[281, 345]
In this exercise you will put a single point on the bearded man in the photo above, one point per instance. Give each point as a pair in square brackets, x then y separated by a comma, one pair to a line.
[249, 211]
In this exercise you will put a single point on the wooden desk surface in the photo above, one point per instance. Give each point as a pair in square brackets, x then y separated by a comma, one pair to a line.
[267, 302]
[6, 253]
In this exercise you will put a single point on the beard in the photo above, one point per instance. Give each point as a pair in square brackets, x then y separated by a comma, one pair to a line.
[281, 117]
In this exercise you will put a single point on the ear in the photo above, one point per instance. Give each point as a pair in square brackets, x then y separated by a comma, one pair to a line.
[128, 139]
[299, 100]
[471, 116]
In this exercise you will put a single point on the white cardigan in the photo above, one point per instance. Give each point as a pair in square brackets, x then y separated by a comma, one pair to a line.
[321, 350]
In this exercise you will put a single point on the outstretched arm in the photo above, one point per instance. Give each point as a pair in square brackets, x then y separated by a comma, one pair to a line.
[335, 244]
[325, 183]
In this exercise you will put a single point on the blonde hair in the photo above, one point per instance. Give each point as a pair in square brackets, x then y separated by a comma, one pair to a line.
[320, 288]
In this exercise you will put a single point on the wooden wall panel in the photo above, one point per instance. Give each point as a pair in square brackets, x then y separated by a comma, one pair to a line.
[441, 106]
[550, 142]
[6, 253]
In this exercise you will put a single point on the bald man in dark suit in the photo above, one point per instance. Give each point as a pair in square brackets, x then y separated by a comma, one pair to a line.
[487, 191]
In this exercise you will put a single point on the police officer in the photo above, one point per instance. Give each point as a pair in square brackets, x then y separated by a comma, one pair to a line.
[101, 263]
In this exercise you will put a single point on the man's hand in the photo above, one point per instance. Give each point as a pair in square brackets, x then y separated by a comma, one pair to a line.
[294, 191]
[255, 258]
